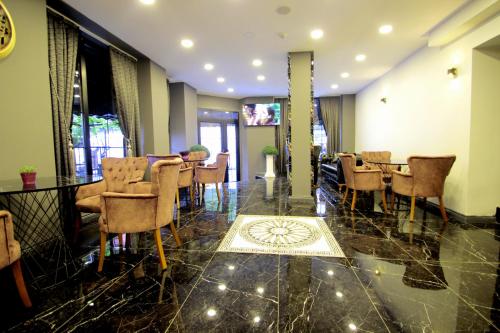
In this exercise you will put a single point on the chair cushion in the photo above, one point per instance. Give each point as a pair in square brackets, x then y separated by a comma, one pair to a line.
[13, 254]
[89, 205]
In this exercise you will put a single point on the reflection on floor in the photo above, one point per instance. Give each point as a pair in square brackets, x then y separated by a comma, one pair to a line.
[397, 276]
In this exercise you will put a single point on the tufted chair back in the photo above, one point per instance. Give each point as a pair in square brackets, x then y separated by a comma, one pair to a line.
[164, 175]
[379, 156]
[429, 174]
[118, 173]
[348, 166]
[196, 155]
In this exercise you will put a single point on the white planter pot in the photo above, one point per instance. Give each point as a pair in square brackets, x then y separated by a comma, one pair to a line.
[269, 166]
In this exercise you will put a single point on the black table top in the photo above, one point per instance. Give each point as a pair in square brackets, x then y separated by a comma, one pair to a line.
[13, 186]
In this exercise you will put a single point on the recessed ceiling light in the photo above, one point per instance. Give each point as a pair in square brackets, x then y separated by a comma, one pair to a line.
[222, 287]
[256, 319]
[385, 29]
[257, 62]
[208, 67]
[339, 294]
[345, 75]
[334, 86]
[261, 77]
[360, 57]
[260, 290]
[220, 79]
[148, 2]
[317, 34]
[230, 90]
[211, 312]
[330, 272]
[187, 43]
[352, 327]
[231, 267]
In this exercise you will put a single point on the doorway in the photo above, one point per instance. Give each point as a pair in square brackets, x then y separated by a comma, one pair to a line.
[218, 131]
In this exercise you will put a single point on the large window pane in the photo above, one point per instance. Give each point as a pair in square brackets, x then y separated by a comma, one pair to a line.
[211, 137]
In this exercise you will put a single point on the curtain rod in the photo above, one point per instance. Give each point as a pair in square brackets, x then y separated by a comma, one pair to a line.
[88, 32]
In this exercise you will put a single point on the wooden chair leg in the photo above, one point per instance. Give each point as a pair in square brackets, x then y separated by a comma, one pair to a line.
[345, 195]
[412, 209]
[442, 209]
[177, 198]
[102, 251]
[384, 202]
[128, 241]
[354, 197]
[218, 191]
[176, 235]
[120, 241]
[191, 193]
[21, 286]
[159, 246]
[203, 190]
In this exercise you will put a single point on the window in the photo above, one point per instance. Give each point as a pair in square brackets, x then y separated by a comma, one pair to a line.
[95, 129]
[319, 133]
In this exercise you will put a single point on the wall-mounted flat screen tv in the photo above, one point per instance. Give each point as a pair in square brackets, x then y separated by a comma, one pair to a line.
[262, 114]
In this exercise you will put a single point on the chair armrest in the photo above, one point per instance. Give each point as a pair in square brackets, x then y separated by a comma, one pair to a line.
[206, 174]
[368, 180]
[185, 177]
[90, 190]
[135, 180]
[401, 173]
[367, 171]
[128, 212]
[402, 183]
[140, 187]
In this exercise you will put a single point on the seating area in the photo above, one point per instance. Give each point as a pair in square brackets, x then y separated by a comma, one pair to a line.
[328, 167]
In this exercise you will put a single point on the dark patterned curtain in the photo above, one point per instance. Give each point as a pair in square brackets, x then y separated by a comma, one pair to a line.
[124, 71]
[63, 47]
[330, 114]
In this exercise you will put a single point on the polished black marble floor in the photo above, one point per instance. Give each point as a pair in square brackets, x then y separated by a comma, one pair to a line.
[398, 276]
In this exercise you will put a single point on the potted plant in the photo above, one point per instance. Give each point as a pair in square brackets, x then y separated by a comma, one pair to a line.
[28, 175]
[270, 152]
[200, 148]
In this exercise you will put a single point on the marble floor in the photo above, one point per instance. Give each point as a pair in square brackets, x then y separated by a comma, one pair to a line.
[397, 276]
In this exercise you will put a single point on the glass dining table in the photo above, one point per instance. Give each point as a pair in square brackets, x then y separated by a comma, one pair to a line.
[43, 216]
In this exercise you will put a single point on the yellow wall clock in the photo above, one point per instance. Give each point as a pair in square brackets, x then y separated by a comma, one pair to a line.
[7, 32]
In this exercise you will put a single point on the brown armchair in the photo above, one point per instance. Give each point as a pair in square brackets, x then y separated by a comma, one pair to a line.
[185, 175]
[139, 212]
[425, 179]
[213, 173]
[361, 179]
[10, 254]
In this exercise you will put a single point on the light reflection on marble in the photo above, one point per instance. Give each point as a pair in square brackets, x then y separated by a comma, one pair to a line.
[398, 276]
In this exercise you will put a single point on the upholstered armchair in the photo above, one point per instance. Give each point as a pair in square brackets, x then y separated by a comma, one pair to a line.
[185, 175]
[212, 174]
[120, 175]
[425, 178]
[361, 179]
[379, 156]
[140, 212]
[10, 254]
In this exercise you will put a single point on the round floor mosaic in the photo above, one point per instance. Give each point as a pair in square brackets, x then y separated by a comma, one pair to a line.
[280, 232]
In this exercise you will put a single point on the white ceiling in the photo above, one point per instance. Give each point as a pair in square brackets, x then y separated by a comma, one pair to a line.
[230, 33]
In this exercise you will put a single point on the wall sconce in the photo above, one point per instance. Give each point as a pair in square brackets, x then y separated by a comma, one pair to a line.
[452, 73]
[384, 100]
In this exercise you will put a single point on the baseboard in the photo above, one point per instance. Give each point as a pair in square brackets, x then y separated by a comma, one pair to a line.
[456, 216]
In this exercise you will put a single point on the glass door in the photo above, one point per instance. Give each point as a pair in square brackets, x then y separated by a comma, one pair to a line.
[218, 131]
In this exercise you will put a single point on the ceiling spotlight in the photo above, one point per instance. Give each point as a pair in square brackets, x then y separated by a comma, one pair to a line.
[222, 287]
[360, 57]
[261, 77]
[334, 86]
[345, 75]
[211, 312]
[231, 267]
[148, 2]
[352, 327]
[230, 90]
[260, 290]
[377, 272]
[339, 294]
[257, 62]
[317, 34]
[256, 319]
[220, 79]
[385, 29]
[208, 66]
[330, 272]
[187, 43]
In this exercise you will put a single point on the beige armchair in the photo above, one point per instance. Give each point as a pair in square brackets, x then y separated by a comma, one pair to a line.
[426, 178]
[10, 255]
[379, 156]
[140, 212]
[120, 175]
[212, 174]
[185, 175]
[361, 179]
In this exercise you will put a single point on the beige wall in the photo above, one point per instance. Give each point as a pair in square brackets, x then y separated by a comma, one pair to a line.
[484, 178]
[301, 104]
[218, 103]
[183, 116]
[348, 122]
[25, 107]
[426, 112]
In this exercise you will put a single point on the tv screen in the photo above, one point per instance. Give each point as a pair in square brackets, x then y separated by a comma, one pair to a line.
[262, 114]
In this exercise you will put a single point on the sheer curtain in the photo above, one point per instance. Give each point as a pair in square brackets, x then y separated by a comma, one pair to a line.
[330, 113]
[281, 136]
[124, 72]
[63, 47]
